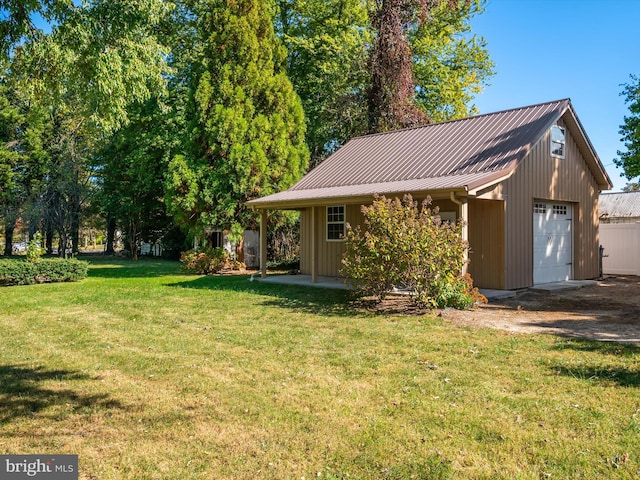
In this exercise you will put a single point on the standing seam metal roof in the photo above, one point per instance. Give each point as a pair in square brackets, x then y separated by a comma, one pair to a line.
[472, 145]
[438, 156]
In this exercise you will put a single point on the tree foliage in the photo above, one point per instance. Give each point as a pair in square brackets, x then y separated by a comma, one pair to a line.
[142, 108]
[356, 64]
[327, 63]
[23, 156]
[104, 55]
[629, 160]
[451, 66]
[403, 246]
[391, 93]
[131, 169]
[247, 133]
[100, 57]
[16, 23]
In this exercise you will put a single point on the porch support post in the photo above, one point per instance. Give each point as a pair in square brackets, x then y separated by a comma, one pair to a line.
[463, 210]
[464, 215]
[263, 243]
[314, 247]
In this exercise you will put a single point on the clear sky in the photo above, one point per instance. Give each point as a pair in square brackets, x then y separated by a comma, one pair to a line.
[546, 50]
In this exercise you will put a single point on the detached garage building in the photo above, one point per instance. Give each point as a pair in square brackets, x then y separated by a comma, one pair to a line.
[526, 181]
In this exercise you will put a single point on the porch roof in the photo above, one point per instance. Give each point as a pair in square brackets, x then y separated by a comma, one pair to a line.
[463, 184]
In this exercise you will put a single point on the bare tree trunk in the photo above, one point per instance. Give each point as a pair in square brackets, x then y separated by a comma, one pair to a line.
[111, 233]
[75, 231]
[133, 240]
[9, 227]
[75, 216]
[10, 218]
[49, 239]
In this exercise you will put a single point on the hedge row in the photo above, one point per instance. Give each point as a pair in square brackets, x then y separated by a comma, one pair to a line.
[47, 270]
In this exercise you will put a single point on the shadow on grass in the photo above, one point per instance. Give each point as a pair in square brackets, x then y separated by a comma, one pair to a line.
[618, 374]
[110, 267]
[605, 348]
[300, 298]
[622, 376]
[22, 392]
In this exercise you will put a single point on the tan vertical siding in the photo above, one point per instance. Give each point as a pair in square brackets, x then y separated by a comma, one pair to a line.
[330, 252]
[486, 242]
[540, 176]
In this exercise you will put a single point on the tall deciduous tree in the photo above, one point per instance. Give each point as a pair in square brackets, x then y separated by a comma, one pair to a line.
[450, 65]
[327, 58]
[23, 157]
[132, 168]
[100, 57]
[391, 96]
[104, 55]
[247, 138]
[629, 160]
[331, 57]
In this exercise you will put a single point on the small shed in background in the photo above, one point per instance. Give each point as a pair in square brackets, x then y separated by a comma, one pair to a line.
[620, 232]
[619, 207]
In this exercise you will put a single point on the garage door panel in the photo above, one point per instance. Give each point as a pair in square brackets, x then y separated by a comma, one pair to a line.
[552, 242]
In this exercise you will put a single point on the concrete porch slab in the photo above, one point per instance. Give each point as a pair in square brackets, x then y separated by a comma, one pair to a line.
[491, 294]
[305, 280]
[562, 286]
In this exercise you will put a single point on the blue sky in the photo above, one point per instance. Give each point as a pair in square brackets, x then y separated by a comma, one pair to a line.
[546, 50]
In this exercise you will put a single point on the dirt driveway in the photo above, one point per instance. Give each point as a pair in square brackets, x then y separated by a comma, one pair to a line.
[609, 310]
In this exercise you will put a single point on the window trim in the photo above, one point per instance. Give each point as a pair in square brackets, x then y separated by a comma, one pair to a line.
[553, 142]
[333, 222]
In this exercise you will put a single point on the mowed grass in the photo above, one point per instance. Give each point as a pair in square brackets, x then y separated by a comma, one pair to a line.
[146, 373]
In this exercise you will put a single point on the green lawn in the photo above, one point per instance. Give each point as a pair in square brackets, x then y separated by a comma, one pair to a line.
[146, 373]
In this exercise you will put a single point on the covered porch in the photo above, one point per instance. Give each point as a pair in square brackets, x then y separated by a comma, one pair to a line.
[320, 255]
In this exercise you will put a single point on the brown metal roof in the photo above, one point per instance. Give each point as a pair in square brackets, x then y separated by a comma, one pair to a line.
[309, 196]
[458, 154]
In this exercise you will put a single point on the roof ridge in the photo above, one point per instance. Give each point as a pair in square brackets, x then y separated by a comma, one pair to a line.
[618, 193]
[472, 117]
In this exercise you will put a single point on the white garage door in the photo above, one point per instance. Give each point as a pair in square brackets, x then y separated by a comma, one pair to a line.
[552, 238]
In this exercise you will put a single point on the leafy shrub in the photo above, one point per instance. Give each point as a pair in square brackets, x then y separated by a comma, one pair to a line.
[49, 270]
[204, 260]
[406, 247]
[34, 249]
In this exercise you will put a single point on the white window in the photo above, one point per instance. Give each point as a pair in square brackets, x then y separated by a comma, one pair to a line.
[559, 209]
[335, 223]
[557, 141]
[539, 208]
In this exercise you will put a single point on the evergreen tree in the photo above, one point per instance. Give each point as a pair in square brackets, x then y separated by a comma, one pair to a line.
[247, 137]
